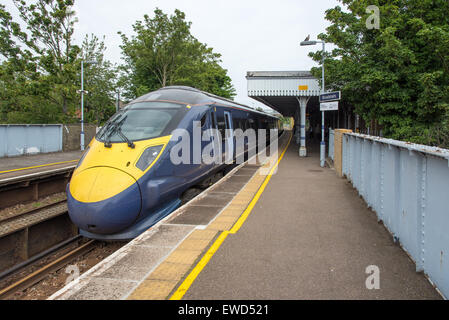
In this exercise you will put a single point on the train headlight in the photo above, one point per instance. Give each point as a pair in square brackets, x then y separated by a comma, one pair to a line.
[148, 157]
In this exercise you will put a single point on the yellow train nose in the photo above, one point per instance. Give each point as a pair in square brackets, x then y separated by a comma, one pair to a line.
[103, 200]
[99, 183]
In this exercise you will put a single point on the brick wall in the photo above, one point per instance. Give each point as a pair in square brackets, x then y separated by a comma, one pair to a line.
[71, 136]
[338, 150]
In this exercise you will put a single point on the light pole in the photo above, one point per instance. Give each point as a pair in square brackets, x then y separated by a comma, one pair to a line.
[117, 105]
[323, 144]
[82, 99]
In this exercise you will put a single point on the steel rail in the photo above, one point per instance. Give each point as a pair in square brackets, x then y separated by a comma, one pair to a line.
[32, 211]
[42, 273]
[41, 255]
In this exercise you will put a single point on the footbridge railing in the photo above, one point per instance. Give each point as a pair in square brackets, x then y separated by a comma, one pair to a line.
[407, 185]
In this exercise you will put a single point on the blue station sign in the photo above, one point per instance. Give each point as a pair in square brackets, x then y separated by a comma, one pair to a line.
[330, 96]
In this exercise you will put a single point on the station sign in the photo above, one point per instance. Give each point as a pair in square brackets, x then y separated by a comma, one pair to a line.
[329, 106]
[330, 96]
[303, 88]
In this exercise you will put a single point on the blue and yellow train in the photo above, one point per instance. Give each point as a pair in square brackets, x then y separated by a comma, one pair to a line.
[125, 181]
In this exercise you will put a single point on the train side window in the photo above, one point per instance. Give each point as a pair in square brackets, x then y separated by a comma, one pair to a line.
[236, 123]
[247, 125]
[221, 126]
[214, 123]
[228, 125]
[203, 120]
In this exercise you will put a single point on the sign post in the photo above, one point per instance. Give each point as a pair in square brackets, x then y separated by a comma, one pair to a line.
[328, 102]
[330, 96]
[329, 106]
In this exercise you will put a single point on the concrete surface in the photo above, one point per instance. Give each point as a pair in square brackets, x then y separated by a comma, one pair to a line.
[71, 136]
[38, 160]
[117, 276]
[310, 236]
[151, 265]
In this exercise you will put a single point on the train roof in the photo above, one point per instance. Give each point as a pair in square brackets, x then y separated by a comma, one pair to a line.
[192, 96]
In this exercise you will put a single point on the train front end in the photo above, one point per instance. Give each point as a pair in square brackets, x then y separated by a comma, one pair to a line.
[106, 195]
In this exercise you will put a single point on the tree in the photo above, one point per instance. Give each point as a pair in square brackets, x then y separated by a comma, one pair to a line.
[99, 81]
[163, 52]
[40, 60]
[40, 76]
[397, 75]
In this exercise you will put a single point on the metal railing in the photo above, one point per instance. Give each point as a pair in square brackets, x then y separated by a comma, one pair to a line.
[331, 144]
[407, 185]
[16, 140]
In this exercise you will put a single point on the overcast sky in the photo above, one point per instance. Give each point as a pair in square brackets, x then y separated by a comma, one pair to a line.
[251, 35]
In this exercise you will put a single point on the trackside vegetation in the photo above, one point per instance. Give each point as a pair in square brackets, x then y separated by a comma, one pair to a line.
[395, 77]
[40, 64]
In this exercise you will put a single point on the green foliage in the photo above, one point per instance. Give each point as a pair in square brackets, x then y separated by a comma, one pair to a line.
[99, 81]
[163, 52]
[397, 75]
[285, 120]
[40, 76]
[40, 69]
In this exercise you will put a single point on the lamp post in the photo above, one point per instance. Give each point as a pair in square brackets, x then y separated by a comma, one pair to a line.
[82, 99]
[323, 144]
[117, 105]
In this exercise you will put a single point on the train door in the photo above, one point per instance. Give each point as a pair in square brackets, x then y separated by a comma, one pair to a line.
[214, 126]
[229, 137]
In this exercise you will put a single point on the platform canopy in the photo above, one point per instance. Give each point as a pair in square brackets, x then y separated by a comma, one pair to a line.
[280, 89]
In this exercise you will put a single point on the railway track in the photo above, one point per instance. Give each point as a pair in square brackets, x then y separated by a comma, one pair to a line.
[33, 213]
[11, 222]
[40, 274]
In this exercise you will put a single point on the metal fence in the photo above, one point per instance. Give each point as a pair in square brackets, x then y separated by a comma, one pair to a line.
[408, 187]
[16, 140]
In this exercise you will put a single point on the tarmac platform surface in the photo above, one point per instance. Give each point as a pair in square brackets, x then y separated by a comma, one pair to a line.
[301, 233]
[310, 236]
[32, 164]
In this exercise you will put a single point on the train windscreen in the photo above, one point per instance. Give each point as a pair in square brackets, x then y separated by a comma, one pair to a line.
[142, 121]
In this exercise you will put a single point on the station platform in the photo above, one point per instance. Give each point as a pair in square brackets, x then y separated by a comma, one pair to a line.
[282, 229]
[33, 164]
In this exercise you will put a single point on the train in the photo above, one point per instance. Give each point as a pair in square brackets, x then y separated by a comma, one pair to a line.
[126, 180]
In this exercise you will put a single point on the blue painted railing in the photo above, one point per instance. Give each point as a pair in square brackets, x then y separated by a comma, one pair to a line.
[407, 185]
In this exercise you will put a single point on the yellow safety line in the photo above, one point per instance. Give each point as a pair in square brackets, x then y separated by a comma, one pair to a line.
[256, 198]
[43, 165]
[182, 289]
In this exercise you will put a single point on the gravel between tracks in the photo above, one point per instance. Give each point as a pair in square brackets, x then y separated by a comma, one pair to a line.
[57, 280]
